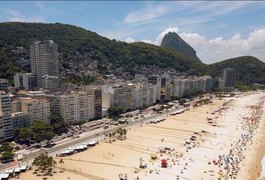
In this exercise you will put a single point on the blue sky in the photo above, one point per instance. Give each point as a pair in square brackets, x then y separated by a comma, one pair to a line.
[217, 30]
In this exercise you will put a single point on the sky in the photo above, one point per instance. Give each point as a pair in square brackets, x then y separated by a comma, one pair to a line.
[217, 30]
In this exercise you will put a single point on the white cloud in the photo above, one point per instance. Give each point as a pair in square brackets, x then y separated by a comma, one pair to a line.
[162, 34]
[18, 17]
[217, 49]
[149, 13]
[212, 50]
[129, 40]
[147, 41]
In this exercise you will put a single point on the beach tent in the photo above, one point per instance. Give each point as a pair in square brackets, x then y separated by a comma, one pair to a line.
[92, 143]
[23, 168]
[164, 163]
[4, 176]
[17, 170]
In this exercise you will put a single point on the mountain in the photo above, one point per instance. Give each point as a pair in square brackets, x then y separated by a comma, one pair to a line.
[84, 54]
[174, 41]
[82, 51]
[249, 69]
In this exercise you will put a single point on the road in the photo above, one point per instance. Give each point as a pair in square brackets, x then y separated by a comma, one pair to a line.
[74, 142]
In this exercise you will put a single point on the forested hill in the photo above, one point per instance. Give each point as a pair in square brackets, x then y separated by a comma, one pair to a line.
[82, 51]
[249, 69]
[84, 47]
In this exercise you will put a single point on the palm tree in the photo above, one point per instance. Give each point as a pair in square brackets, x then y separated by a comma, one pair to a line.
[54, 165]
[61, 162]
[110, 135]
[113, 134]
[124, 133]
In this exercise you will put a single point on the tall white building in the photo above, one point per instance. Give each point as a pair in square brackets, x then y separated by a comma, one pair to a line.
[86, 105]
[37, 109]
[6, 125]
[66, 106]
[45, 63]
[156, 80]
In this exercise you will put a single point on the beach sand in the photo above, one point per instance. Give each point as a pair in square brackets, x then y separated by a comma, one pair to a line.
[108, 160]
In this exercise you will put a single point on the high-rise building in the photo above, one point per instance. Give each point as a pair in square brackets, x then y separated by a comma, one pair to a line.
[25, 81]
[97, 102]
[6, 125]
[229, 78]
[18, 81]
[156, 80]
[86, 103]
[45, 63]
[3, 85]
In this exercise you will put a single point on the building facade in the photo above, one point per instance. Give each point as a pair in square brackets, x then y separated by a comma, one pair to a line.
[6, 125]
[45, 62]
[36, 109]
[25, 81]
[229, 78]
[3, 85]
[20, 120]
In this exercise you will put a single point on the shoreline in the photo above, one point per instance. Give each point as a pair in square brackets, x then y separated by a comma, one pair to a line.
[108, 160]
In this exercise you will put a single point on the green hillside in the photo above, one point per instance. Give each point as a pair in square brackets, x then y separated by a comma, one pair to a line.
[79, 48]
[82, 45]
[249, 69]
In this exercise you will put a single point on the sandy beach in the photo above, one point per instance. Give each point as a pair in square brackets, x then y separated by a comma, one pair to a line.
[221, 131]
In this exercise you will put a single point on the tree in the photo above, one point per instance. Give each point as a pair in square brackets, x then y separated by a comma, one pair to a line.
[5, 146]
[41, 131]
[115, 111]
[45, 163]
[182, 101]
[58, 124]
[61, 162]
[7, 155]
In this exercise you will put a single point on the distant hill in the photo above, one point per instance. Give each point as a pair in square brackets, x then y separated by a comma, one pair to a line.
[80, 48]
[174, 41]
[83, 51]
[249, 69]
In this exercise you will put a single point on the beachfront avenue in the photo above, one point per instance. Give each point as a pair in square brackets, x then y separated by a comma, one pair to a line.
[98, 134]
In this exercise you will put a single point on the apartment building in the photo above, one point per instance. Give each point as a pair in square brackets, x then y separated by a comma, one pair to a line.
[97, 95]
[6, 125]
[66, 106]
[45, 64]
[86, 105]
[36, 109]
[3, 85]
[20, 120]
[25, 81]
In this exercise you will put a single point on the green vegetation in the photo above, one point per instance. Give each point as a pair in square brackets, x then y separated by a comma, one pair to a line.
[115, 111]
[120, 134]
[79, 46]
[182, 101]
[6, 152]
[38, 131]
[58, 124]
[191, 93]
[44, 164]
[249, 70]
